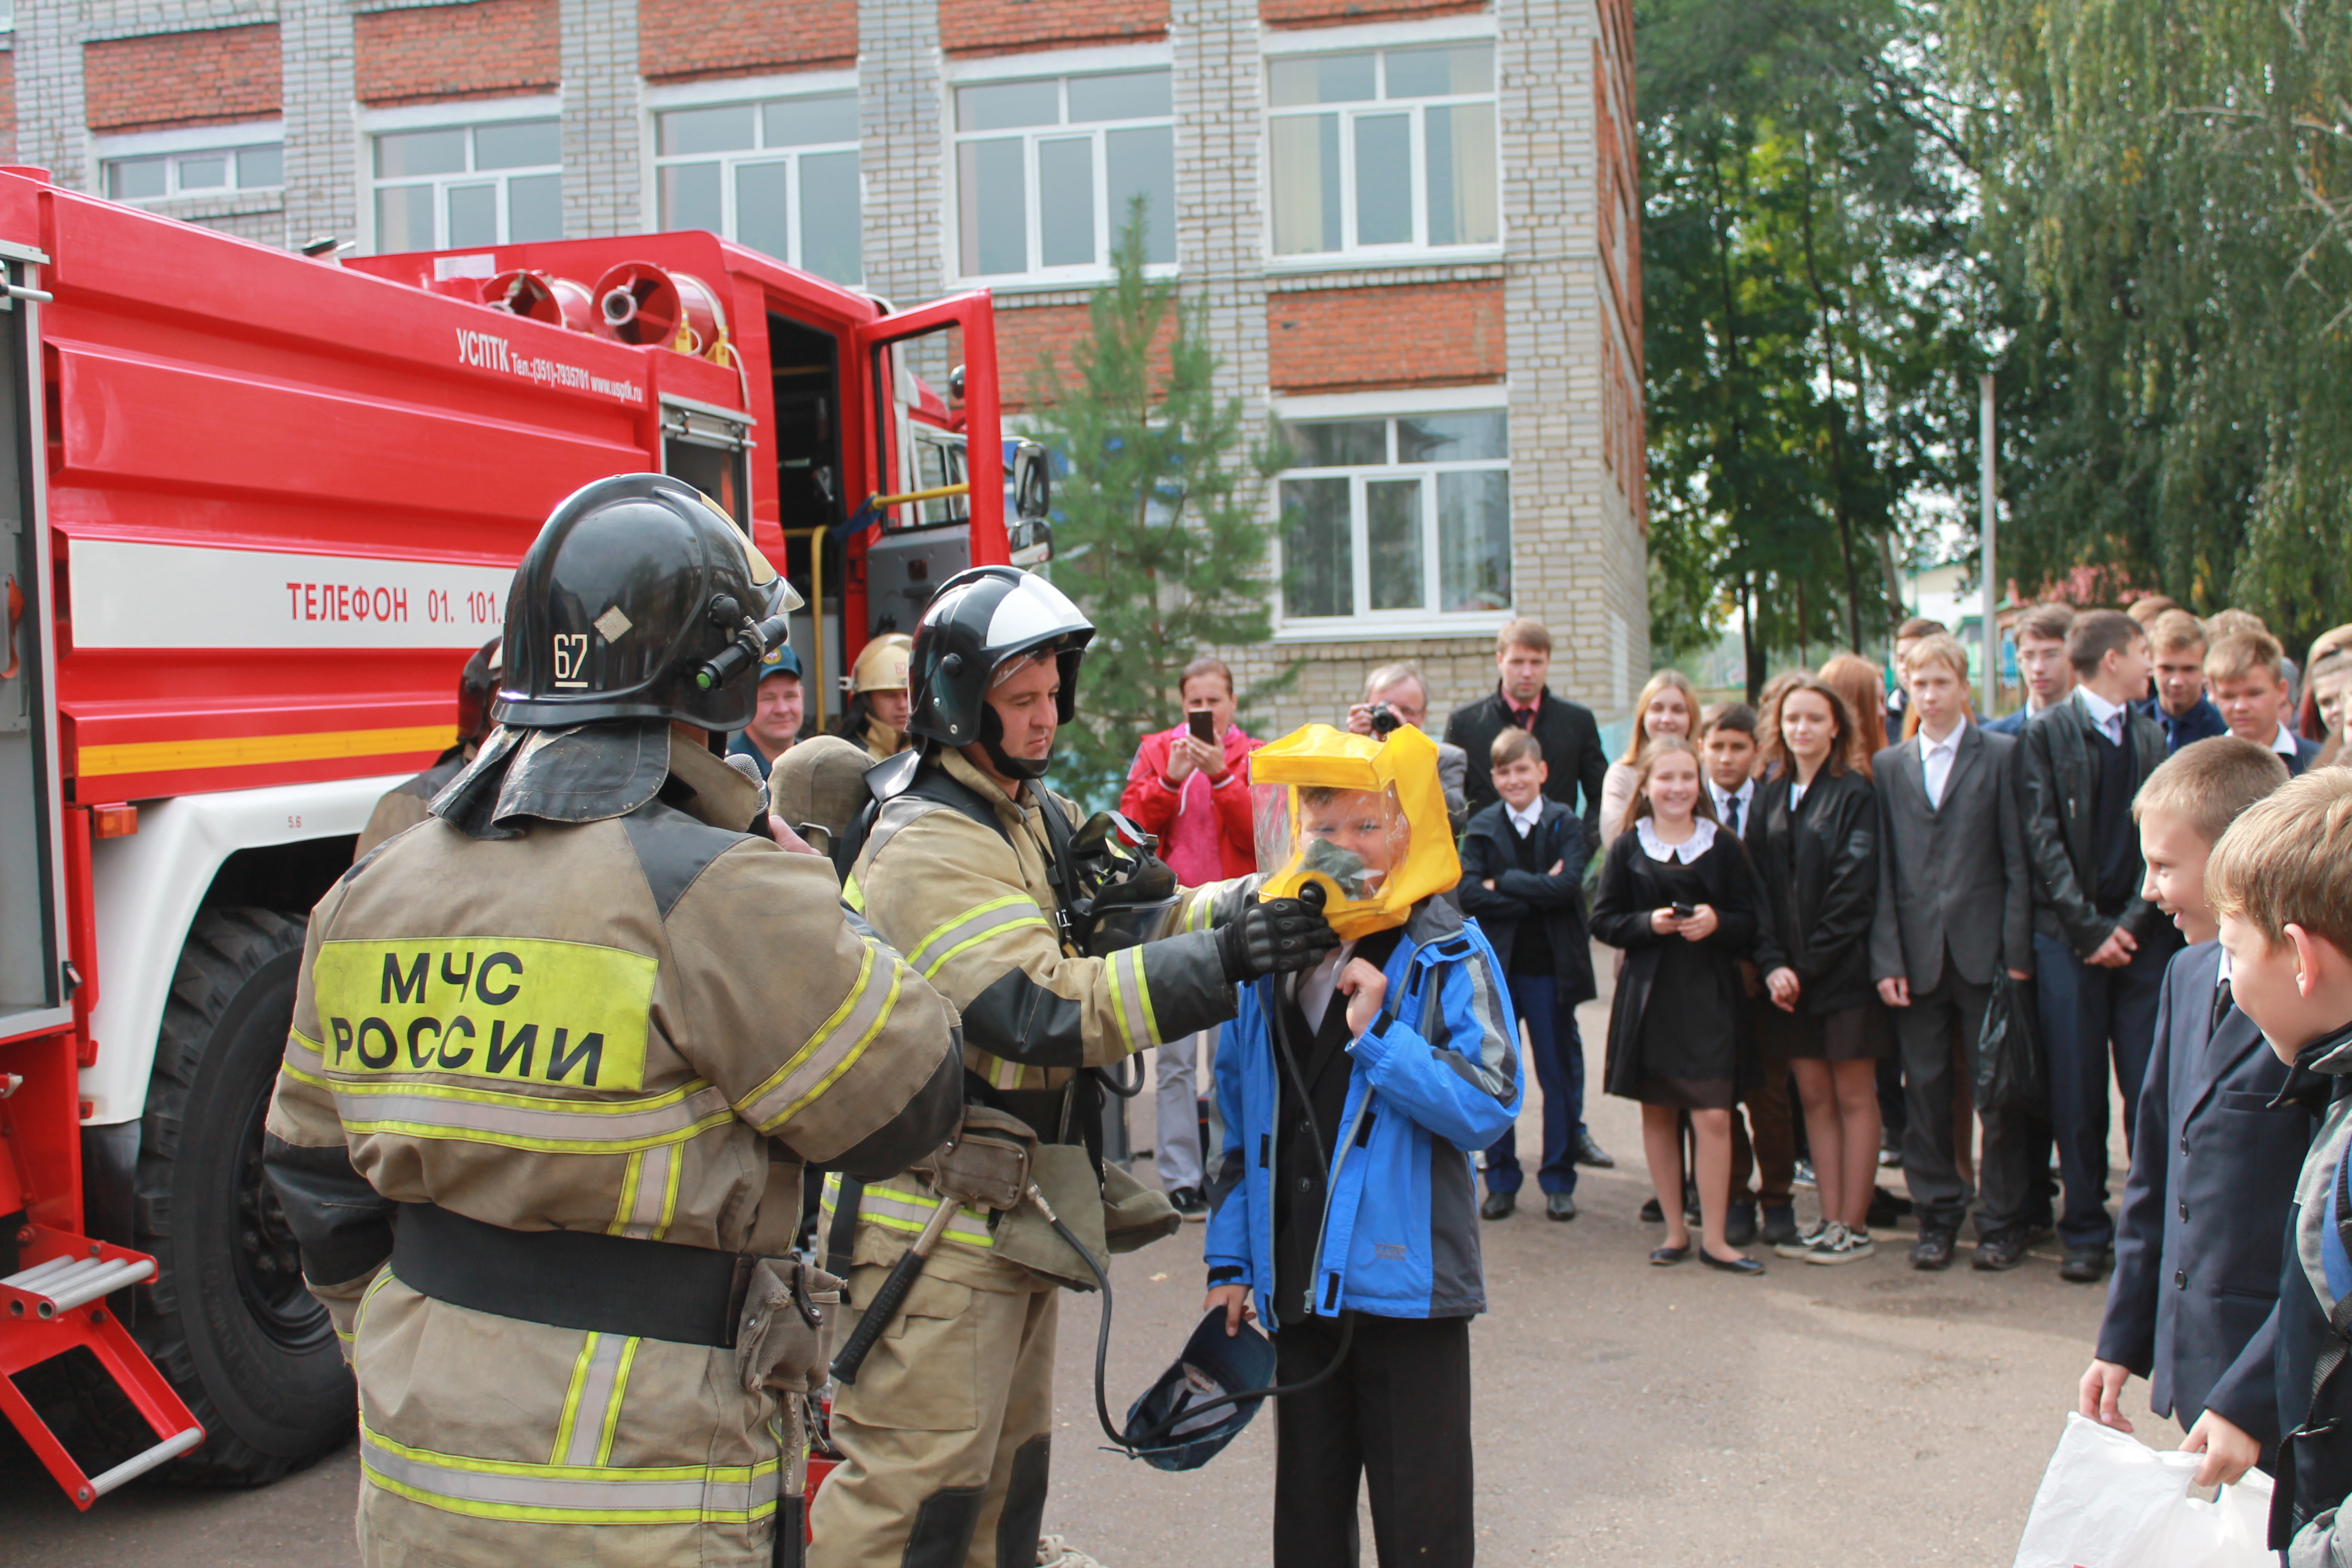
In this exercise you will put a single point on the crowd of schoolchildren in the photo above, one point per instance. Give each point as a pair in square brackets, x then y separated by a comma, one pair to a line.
[1817, 901]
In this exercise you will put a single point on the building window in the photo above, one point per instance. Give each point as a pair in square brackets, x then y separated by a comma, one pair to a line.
[1046, 169]
[444, 189]
[1383, 149]
[1399, 518]
[206, 171]
[779, 177]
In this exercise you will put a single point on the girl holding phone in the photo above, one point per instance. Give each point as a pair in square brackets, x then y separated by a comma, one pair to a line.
[1676, 896]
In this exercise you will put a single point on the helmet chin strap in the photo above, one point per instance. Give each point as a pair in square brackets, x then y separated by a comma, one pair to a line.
[992, 741]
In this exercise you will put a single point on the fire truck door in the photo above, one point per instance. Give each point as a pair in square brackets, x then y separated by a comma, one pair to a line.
[33, 993]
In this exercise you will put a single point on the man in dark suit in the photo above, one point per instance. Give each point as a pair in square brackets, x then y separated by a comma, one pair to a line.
[2249, 684]
[2099, 947]
[1952, 853]
[1523, 880]
[2041, 638]
[2178, 640]
[1570, 738]
[2203, 1218]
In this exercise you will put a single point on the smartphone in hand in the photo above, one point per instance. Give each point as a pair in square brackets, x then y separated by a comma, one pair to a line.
[1683, 911]
[1202, 724]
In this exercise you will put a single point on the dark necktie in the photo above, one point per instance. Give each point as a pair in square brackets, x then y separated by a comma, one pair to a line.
[1525, 718]
[2221, 1008]
[1731, 812]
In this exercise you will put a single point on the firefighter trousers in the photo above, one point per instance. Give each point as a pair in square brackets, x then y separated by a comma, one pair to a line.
[947, 1435]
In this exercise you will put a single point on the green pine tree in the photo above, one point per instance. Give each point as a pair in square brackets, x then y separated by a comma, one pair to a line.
[1158, 532]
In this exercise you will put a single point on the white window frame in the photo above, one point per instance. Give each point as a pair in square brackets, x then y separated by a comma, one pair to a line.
[463, 114]
[1369, 625]
[174, 144]
[1291, 44]
[1058, 65]
[728, 92]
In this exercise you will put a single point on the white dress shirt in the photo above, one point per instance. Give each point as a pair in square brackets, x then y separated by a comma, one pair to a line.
[1315, 987]
[1745, 795]
[1524, 821]
[1936, 758]
[2283, 742]
[2107, 717]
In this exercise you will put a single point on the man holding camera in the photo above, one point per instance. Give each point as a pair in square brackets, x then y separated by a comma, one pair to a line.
[1397, 694]
[1190, 788]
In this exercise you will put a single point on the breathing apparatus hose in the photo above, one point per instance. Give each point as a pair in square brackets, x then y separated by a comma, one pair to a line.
[1312, 894]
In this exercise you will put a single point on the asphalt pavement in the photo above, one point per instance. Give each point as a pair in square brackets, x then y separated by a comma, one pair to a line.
[1625, 1415]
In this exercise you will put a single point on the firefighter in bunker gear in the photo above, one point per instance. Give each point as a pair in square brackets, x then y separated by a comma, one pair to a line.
[557, 1058]
[402, 806]
[876, 714]
[946, 1435]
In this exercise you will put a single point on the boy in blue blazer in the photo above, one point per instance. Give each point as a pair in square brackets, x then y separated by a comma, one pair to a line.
[1522, 881]
[2193, 1303]
[1352, 1217]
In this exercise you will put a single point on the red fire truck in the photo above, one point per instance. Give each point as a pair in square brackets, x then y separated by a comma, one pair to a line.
[255, 510]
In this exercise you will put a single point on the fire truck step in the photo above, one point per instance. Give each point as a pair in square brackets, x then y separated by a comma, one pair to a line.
[138, 1465]
[62, 1289]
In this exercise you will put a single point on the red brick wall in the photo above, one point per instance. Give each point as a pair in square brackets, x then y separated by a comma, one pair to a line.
[1011, 27]
[1334, 13]
[680, 40]
[1353, 339]
[1027, 337]
[7, 107]
[217, 74]
[489, 48]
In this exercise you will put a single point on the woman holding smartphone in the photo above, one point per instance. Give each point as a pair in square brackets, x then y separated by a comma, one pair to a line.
[1676, 896]
[1813, 838]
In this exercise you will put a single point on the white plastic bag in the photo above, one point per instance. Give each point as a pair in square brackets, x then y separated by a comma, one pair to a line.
[2107, 1501]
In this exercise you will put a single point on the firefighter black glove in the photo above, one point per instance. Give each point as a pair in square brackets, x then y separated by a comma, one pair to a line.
[1274, 937]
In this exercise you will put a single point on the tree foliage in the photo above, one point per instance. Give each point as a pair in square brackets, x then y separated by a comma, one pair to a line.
[1159, 535]
[1809, 310]
[2167, 191]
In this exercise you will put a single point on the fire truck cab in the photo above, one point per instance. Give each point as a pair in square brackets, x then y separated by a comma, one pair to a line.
[256, 512]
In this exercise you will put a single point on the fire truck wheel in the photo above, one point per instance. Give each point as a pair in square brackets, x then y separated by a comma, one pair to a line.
[226, 1317]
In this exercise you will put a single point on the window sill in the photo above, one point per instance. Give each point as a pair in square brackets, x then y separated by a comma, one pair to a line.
[1080, 283]
[1278, 267]
[1424, 628]
[189, 206]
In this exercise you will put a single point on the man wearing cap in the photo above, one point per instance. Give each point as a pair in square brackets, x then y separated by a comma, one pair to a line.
[777, 724]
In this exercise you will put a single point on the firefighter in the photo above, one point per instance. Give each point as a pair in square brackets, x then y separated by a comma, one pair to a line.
[965, 868]
[557, 1059]
[875, 718]
[402, 806]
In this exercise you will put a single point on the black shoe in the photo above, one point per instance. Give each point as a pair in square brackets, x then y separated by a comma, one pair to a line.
[1667, 1256]
[1885, 1208]
[1499, 1205]
[1740, 1225]
[1189, 1202]
[1932, 1250]
[1589, 1153]
[1780, 1224]
[1651, 1213]
[1742, 1266]
[2085, 1265]
[2000, 1251]
[1559, 1205]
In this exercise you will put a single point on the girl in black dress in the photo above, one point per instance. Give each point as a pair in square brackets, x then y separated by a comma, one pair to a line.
[1676, 896]
[1813, 835]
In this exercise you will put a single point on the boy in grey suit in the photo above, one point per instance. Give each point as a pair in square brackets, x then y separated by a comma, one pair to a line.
[1955, 909]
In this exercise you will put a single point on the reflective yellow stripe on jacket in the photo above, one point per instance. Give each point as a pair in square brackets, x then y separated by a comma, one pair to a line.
[570, 1494]
[906, 1209]
[970, 928]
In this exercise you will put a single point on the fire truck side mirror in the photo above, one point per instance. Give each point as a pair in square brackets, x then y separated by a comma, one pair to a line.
[1033, 482]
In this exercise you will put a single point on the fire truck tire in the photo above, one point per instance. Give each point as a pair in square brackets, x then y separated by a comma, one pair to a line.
[226, 1317]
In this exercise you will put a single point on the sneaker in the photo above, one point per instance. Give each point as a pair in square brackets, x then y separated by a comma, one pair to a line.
[1053, 1552]
[1851, 1246]
[1804, 1176]
[1807, 1239]
[1189, 1202]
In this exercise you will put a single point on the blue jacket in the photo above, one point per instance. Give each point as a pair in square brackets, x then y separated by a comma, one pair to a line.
[741, 746]
[1435, 1078]
[2201, 1227]
[2201, 722]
